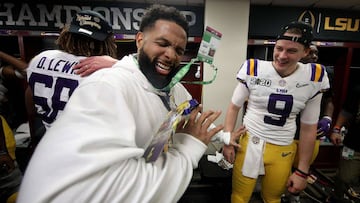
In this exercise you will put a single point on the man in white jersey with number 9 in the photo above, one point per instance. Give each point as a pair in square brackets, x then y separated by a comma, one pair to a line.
[276, 91]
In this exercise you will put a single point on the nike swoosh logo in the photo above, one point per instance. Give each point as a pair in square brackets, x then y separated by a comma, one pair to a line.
[284, 154]
[298, 85]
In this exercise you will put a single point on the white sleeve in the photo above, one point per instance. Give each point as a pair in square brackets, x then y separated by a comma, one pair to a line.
[311, 112]
[240, 94]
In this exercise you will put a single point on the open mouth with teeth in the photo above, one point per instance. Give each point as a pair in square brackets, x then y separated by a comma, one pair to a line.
[282, 62]
[162, 68]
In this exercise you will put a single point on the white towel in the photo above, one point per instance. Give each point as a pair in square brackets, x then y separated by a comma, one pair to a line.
[254, 164]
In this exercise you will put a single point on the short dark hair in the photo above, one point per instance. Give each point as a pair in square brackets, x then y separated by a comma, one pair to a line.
[162, 12]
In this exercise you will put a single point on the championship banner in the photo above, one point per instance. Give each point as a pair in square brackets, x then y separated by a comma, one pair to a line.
[50, 16]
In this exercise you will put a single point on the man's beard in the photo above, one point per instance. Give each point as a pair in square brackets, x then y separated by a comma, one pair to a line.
[147, 67]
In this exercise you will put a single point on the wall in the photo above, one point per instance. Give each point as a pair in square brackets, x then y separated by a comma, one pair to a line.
[231, 18]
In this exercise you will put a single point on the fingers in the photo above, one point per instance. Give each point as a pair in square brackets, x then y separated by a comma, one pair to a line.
[195, 112]
[291, 188]
[235, 144]
[208, 117]
[235, 136]
[85, 67]
[179, 127]
[205, 119]
[198, 124]
[229, 153]
[231, 158]
[91, 64]
[88, 69]
[83, 62]
[204, 122]
[296, 184]
[320, 132]
[240, 132]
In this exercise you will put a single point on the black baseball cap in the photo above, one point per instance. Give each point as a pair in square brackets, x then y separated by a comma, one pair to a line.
[306, 33]
[91, 24]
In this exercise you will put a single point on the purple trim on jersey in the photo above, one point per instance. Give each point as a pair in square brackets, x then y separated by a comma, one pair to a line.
[255, 67]
[322, 73]
[313, 71]
[317, 72]
[252, 67]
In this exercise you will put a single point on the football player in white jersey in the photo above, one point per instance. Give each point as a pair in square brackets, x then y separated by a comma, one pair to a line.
[50, 74]
[276, 91]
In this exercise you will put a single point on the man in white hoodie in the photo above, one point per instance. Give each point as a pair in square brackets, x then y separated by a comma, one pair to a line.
[94, 151]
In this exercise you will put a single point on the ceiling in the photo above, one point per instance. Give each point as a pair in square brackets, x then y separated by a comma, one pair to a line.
[332, 4]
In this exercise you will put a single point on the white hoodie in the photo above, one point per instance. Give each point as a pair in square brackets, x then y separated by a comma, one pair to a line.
[93, 152]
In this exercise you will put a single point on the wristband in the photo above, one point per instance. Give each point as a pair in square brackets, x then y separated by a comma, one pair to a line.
[327, 117]
[302, 172]
[336, 129]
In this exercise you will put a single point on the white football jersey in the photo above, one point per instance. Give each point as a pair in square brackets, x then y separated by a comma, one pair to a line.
[52, 80]
[274, 101]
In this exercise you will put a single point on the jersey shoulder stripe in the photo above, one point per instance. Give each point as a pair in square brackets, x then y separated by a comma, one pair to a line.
[252, 65]
[317, 72]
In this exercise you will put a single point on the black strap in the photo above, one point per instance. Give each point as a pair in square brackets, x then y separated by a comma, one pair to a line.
[166, 101]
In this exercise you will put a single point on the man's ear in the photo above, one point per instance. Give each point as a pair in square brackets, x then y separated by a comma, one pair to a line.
[139, 38]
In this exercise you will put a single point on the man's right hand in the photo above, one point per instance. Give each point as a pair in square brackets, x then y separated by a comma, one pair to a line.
[197, 126]
[229, 153]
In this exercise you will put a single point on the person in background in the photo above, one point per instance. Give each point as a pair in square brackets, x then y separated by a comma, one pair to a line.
[50, 74]
[313, 55]
[276, 92]
[10, 174]
[327, 105]
[348, 173]
[11, 76]
[12, 88]
[94, 151]
[324, 124]
[13, 67]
